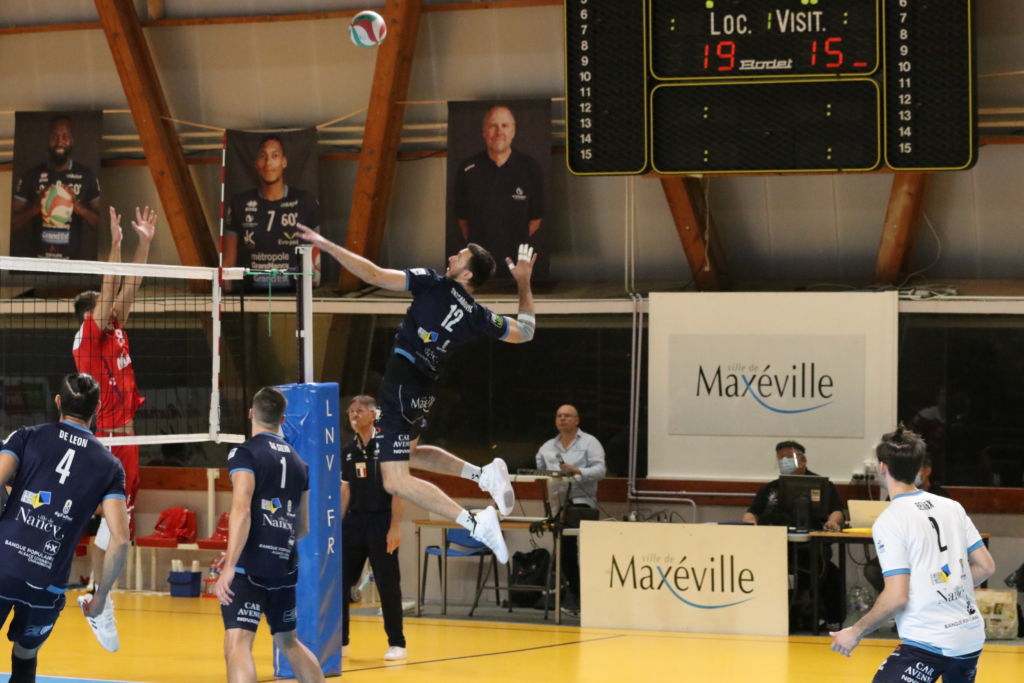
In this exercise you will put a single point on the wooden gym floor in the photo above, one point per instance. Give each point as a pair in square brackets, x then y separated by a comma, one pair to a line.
[178, 640]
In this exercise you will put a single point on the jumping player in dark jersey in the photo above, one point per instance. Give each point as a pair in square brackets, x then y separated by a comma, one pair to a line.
[61, 472]
[260, 232]
[269, 514]
[442, 317]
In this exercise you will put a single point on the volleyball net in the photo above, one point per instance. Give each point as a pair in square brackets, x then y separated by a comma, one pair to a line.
[195, 354]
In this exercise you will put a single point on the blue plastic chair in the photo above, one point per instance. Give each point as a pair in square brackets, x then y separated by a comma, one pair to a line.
[467, 547]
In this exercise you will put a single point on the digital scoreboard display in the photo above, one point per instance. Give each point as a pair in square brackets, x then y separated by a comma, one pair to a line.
[741, 86]
[744, 38]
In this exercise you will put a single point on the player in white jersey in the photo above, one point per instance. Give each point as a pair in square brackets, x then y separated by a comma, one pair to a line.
[932, 557]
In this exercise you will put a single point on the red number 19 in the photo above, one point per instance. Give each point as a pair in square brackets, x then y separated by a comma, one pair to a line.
[725, 51]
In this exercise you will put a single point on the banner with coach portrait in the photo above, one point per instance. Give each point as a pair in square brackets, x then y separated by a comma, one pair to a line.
[270, 187]
[55, 207]
[499, 168]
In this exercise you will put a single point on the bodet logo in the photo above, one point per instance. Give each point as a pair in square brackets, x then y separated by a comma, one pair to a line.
[715, 582]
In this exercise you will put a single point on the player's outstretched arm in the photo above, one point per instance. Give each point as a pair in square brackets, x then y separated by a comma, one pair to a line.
[363, 268]
[243, 484]
[982, 564]
[522, 328]
[145, 227]
[108, 291]
[891, 600]
[114, 560]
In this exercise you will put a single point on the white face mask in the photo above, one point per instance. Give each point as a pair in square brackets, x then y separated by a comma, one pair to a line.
[917, 480]
[788, 465]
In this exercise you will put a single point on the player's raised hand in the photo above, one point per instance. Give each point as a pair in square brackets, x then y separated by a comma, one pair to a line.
[145, 224]
[313, 237]
[522, 269]
[115, 228]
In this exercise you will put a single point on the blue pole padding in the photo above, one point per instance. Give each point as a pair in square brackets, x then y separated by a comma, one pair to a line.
[313, 429]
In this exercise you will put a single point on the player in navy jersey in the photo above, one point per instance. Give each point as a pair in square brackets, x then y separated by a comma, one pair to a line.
[261, 222]
[443, 316]
[269, 514]
[60, 472]
[59, 200]
[932, 557]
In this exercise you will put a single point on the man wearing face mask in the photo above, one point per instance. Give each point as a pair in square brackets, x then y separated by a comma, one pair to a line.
[792, 460]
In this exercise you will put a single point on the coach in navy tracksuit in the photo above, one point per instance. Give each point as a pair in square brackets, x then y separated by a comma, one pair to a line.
[371, 525]
[61, 472]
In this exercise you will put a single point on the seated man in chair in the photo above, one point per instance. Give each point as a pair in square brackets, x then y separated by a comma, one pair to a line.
[792, 460]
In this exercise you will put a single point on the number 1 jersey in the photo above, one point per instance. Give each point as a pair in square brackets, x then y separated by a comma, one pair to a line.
[281, 478]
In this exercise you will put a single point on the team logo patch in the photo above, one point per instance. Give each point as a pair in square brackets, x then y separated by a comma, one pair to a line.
[427, 337]
[418, 271]
[231, 454]
[519, 195]
[36, 500]
[498, 320]
[361, 470]
[944, 573]
[67, 506]
[273, 505]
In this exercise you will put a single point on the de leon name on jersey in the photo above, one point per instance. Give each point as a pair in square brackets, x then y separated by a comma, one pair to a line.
[266, 231]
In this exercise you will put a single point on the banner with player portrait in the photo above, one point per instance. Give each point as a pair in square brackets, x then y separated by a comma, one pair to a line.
[55, 206]
[499, 168]
[271, 181]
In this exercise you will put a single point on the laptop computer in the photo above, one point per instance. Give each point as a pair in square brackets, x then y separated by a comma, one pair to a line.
[863, 513]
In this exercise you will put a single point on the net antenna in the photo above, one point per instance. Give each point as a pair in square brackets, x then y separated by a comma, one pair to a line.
[304, 314]
[174, 336]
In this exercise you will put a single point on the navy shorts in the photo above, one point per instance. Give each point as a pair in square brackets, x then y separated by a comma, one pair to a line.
[403, 417]
[35, 613]
[254, 598]
[910, 664]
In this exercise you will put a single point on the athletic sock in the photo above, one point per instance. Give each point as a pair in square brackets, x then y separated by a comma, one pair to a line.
[23, 670]
[466, 520]
[471, 472]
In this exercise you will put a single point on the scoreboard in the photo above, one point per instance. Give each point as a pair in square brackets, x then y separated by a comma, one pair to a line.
[743, 86]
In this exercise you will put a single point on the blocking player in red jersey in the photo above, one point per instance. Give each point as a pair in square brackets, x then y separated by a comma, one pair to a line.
[101, 349]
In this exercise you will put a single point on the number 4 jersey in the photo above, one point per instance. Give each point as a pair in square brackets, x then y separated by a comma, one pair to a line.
[64, 472]
[930, 537]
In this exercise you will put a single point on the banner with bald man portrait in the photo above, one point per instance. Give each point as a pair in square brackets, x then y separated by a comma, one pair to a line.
[499, 167]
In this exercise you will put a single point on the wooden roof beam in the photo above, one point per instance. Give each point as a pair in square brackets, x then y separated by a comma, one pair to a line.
[181, 205]
[382, 134]
[692, 215]
[902, 223]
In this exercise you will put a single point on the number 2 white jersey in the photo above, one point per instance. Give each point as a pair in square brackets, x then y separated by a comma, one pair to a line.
[930, 537]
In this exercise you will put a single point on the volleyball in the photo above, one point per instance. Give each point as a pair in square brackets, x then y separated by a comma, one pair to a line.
[367, 29]
[57, 205]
